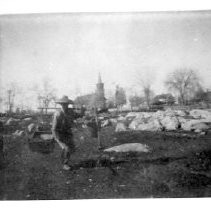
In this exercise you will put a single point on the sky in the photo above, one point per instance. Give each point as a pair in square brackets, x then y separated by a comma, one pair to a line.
[71, 49]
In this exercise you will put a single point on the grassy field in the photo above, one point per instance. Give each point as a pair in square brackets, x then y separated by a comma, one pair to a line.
[177, 166]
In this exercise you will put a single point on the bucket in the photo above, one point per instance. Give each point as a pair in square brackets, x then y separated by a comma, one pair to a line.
[41, 142]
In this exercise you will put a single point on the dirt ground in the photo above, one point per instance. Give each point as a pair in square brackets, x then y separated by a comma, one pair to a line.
[176, 167]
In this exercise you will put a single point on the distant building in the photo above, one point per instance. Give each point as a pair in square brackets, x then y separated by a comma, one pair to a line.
[84, 100]
[100, 101]
[96, 99]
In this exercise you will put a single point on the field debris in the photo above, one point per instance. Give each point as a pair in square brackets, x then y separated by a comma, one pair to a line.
[130, 147]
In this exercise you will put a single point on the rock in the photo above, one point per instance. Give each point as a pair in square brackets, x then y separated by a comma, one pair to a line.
[152, 125]
[132, 114]
[101, 118]
[82, 138]
[21, 133]
[141, 119]
[201, 126]
[169, 120]
[182, 120]
[159, 114]
[27, 119]
[131, 147]
[12, 121]
[170, 123]
[191, 125]
[201, 114]
[126, 107]
[180, 113]
[46, 136]
[84, 126]
[170, 113]
[130, 117]
[120, 127]
[113, 121]
[68, 182]
[145, 122]
[18, 133]
[187, 125]
[135, 123]
[197, 131]
[106, 123]
[121, 119]
[32, 128]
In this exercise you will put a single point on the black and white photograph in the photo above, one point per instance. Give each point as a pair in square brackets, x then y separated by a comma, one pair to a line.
[105, 105]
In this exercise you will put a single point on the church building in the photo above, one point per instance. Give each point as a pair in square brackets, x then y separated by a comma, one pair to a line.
[95, 100]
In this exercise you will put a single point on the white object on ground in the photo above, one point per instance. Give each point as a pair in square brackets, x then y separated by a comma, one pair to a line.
[27, 119]
[46, 136]
[131, 147]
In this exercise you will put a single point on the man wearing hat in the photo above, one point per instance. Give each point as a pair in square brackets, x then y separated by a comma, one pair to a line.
[61, 129]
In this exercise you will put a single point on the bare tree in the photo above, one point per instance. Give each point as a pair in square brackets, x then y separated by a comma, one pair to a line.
[120, 97]
[184, 82]
[144, 80]
[135, 101]
[11, 92]
[46, 94]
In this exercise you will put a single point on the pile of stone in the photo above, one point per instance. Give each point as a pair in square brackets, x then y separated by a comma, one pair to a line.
[169, 120]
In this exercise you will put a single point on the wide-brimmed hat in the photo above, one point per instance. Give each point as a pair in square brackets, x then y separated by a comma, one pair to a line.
[64, 100]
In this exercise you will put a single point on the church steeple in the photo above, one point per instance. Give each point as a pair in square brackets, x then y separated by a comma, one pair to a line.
[99, 94]
[99, 79]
